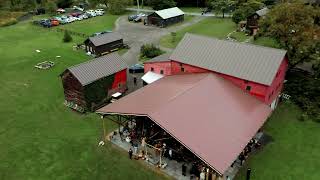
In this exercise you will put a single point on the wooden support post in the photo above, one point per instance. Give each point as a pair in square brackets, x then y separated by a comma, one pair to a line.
[118, 117]
[104, 129]
[142, 128]
[160, 158]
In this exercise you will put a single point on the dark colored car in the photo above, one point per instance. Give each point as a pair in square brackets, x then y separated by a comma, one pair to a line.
[45, 23]
[137, 68]
[132, 17]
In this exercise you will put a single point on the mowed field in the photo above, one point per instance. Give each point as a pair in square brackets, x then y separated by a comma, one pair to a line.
[217, 28]
[39, 137]
[294, 152]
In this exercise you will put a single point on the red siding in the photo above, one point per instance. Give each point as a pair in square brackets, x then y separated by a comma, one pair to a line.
[260, 91]
[157, 67]
[176, 68]
[120, 81]
[277, 84]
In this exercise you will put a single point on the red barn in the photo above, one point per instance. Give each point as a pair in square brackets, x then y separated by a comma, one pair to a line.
[90, 84]
[257, 70]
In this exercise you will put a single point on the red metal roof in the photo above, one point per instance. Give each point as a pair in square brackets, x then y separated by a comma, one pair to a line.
[209, 115]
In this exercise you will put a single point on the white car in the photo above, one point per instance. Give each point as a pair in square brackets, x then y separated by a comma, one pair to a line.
[78, 8]
[71, 18]
[99, 12]
[92, 13]
[78, 18]
[82, 16]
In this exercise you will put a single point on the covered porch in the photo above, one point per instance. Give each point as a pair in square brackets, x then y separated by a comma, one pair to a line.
[199, 120]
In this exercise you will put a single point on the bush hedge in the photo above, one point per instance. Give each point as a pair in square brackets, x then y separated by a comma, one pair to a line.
[304, 91]
[150, 51]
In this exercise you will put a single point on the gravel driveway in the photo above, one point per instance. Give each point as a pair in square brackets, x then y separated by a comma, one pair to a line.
[137, 34]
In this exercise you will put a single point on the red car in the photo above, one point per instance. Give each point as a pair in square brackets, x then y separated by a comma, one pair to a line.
[75, 14]
[54, 22]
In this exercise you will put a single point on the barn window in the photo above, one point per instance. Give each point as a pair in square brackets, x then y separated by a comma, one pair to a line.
[161, 71]
[248, 88]
[119, 85]
[152, 69]
[182, 69]
[246, 81]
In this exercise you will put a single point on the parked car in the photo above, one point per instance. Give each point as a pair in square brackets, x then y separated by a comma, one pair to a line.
[132, 17]
[84, 16]
[99, 12]
[88, 15]
[54, 22]
[78, 8]
[60, 10]
[137, 68]
[60, 19]
[92, 13]
[75, 14]
[70, 19]
[46, 23]
[138, 19]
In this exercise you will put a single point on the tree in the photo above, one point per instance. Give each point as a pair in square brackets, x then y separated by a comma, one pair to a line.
[94, 3]
[221, 6]
[51, 7]
[67, 37]
[64, 3]
[246, 9]
[162, 4]
[294, 27]
[29, 4]
[118, 6]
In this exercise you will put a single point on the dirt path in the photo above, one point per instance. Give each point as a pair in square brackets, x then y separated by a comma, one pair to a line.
[136, 34]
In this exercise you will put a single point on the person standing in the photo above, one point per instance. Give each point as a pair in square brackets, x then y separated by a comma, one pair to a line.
[130, 153]
[135, 80]
[170, 154]
[202, 176]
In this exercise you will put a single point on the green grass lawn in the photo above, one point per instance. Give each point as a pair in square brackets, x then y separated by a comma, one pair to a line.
[213, 27]
[294, 153]
[122, 51]
[266, 41]
[191, 9]
[39, 137]
[240, 36]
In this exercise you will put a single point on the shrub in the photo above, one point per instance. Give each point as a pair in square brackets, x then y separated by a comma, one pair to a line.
[8, 22]
[67, 37]
[304, 91]
[150, 51]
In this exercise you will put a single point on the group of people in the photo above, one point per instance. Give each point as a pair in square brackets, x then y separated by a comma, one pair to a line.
[253, 144]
